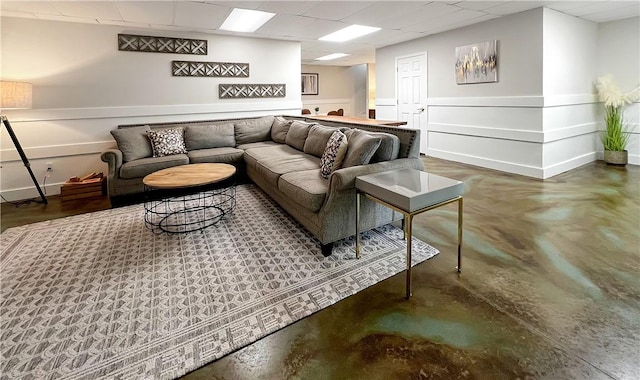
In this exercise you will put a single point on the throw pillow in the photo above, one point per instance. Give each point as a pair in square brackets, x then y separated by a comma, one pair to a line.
[209, 136]
[254, 130]
[297, 134]
[133, 142]
[166, 142]
[279, 129]
[333, 154]
[317, 139]
[362, 146]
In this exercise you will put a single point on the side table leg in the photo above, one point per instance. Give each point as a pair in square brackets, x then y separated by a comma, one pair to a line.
[459, 235]
[357, 224]
[408, 222]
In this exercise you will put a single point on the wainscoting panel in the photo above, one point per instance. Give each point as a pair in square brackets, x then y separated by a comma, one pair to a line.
[508, 155]
[569, 153]
[535, 136]
[498, 118]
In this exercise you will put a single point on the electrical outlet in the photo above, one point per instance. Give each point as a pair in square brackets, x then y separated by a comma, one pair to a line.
[49, 166]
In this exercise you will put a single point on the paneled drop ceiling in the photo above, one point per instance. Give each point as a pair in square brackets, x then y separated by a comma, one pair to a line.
[306, 21]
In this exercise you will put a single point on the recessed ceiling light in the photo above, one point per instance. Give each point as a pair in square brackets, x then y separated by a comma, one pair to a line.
[331, 56]
[245, 20]
[349, 33]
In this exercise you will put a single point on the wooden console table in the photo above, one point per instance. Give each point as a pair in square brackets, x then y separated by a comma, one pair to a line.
[359, 120]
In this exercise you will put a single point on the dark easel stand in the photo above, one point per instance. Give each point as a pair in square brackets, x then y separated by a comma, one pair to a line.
[25, 160]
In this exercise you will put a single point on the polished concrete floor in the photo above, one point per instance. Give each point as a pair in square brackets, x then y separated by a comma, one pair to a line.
[550, 289]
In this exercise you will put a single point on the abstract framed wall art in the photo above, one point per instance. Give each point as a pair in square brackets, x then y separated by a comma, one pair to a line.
[309, 84]
[477, 63]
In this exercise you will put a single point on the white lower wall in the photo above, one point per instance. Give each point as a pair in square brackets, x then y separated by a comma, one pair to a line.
[534, 135]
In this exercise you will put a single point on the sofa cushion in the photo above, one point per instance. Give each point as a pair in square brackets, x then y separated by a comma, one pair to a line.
[272, 168]
[142, 167]
[253, 155]
[297, 135]
[334, 153]
[317, 139]
[133, 142]
[254, 130]
[362, 146]
[307, 188]
[261, 144]
[167, 141]
[209, 136]
[225, 155]
[389, 148]
[279, 129]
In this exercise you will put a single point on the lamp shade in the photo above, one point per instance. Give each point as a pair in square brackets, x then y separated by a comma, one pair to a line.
[15, 95]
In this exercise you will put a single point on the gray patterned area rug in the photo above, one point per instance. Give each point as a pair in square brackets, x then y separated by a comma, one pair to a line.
[100, 296]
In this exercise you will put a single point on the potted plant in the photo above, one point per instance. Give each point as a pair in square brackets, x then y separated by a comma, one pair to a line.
[615, 137]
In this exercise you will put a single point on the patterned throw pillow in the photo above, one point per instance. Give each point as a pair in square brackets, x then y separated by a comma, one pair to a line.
[166, 142]
[334, 153]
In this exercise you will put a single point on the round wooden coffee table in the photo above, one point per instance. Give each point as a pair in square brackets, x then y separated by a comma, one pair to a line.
[189, 197]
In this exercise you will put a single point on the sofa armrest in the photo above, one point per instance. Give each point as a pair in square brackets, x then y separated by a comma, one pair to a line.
[345, 178]
[113, 157]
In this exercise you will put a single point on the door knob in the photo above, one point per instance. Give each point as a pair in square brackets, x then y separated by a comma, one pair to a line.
[421, 109]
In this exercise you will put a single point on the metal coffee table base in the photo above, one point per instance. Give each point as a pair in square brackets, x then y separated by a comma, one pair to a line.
[188, 213]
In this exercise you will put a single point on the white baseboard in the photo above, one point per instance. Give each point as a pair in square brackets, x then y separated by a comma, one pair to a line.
[509, 167]
[567, 165]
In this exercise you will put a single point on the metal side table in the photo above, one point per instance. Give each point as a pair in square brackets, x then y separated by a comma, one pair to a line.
[409, 192]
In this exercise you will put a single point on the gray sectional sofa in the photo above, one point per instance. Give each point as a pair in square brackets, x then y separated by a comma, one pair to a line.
[281, 155]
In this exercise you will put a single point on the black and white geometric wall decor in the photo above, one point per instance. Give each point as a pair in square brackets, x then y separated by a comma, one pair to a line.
[152, 44]
[236, 91]
[209, 69]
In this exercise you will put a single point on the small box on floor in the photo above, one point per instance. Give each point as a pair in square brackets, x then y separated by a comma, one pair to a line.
[89, 186]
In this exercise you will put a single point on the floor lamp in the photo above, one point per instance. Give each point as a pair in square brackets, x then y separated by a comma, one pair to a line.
[17, 95]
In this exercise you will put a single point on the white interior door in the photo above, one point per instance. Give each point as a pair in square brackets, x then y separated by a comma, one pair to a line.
[411, 88]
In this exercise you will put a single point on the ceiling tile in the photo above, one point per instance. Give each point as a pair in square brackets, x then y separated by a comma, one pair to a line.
[105, 10]
[567, 5]
[147, 12]
[444, 20]
[596, 7]
[381, 12]
[419, 15]
[237, 4]
[319, 28]
[124, 24]
[615, 14]
[200, 15]
[515, 7]
[35, 7]
[478, 5]
[461, 24]
[336, 10]
[18, 14]
[82, 20]
[285, 7]
[285, 25]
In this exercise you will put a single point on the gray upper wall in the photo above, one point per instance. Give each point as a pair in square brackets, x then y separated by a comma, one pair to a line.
[519, 49]
[74, 65]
